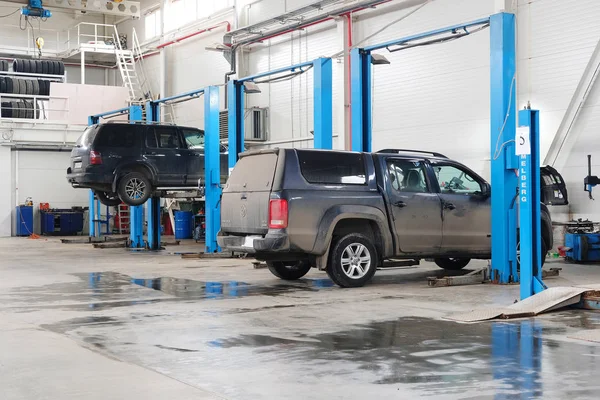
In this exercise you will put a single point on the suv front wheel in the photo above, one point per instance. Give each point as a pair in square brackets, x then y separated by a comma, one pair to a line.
[134, 188]
[353, 261]
[452, 264]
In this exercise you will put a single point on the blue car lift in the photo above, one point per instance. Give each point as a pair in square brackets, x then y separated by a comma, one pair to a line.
[136, 223]
[323, 100]
[212, 191]
[505, 164]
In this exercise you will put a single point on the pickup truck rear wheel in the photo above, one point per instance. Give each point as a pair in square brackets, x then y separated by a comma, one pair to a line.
[453, 264]
[353, 261]
[289, 271]
[134, 188]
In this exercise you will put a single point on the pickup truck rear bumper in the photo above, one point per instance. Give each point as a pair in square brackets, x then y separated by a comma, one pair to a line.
[271, 243]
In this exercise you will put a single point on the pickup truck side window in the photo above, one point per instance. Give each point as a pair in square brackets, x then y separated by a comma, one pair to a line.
[332, 168]
[407, 176]
[454, 180]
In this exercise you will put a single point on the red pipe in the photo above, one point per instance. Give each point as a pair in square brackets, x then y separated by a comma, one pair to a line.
[182, 38]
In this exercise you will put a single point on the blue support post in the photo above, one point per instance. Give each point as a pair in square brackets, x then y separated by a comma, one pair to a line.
[361, 100]
[323, 104]
[503, 128]
[92, 120]
[212, 196]
[136, 213]
[530, 209]
[153, 205]
[235, 121]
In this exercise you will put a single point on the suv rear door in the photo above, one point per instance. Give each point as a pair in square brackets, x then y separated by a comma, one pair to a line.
[118, 144]
[194, 141]
[245, 201]
[466, 213]
[415, 207]
[165, 151]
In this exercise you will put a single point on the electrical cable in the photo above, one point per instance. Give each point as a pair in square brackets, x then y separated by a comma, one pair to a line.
[12, 13]
[498, 151]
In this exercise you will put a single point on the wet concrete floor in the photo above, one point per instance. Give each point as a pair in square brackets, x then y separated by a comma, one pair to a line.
[257, 337]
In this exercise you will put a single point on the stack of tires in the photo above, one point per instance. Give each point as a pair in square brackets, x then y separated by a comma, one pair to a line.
[47, 67]
[20, 109]
[38, 87]
[4, 65]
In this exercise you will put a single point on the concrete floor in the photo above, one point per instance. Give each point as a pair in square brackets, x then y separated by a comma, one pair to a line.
[84, 323]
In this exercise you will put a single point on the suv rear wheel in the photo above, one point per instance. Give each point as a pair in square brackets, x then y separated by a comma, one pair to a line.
[353, 261]
[108, 198]
[289, 270]
[453, 264]
[134, 188]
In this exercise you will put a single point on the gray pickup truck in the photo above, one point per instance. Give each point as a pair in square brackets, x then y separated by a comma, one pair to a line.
[348, 212]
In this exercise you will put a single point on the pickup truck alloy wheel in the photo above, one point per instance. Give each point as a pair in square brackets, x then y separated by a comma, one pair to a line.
[356, 260]
[134, 189]
[353, 260]
[289, 271]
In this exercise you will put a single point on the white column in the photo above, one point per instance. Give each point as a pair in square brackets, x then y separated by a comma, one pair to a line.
[503, 6]
[82, 67]
[6, 204]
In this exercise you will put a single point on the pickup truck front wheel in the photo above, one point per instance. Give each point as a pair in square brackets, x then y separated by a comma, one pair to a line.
[353, 261]
[289, 271]
[453, 264]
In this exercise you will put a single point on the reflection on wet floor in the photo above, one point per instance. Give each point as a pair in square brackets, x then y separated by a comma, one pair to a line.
[103, 290]
[436, 357]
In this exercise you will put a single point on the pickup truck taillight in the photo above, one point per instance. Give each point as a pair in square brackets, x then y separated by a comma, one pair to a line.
[95, 158]
[278, 214]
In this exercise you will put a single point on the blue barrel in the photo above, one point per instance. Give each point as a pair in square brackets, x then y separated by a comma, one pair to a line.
[183, 224]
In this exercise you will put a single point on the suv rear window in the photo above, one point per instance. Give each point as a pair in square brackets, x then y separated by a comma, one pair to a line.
[117, 135]
[88, 136]
[332, 168]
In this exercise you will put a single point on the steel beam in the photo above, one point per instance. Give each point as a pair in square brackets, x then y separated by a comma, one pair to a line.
[136, 213]
[361, 100]
[502, 135]
[124, 8]
[212, 168]
[323, 104]
[235, 121]
[529, 209]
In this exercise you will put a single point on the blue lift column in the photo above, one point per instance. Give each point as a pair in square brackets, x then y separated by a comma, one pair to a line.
[235, 121]
[136, 213]
[529, 204]
[361, 99]
[94, 205]
[153, 208]
[504, 163]
[212, 168]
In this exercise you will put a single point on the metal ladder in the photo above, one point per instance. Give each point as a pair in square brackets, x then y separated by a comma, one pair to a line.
[134, 79]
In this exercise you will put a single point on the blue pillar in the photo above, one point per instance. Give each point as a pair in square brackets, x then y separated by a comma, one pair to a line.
[212, 196]
[502, 134]
[136, 213]
[235, 121]
[92, 120]
[361, 100]
[153, 205]
[323, 103]
[529, 207]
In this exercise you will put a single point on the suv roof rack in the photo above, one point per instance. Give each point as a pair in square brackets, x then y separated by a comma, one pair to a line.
[433, 153]
[114, 121]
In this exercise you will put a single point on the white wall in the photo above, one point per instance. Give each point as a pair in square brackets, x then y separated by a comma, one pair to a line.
[5, 191]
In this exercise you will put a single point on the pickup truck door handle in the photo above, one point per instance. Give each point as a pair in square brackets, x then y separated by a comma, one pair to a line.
[400, 204]
[449, 206]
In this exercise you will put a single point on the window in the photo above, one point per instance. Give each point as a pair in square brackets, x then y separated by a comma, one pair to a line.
[152, 24]
[407, 176]
[167, 137]
[194, 138]
[117, 135]
[151, 139]
[179, 13]
[332, 168]
[453, 180]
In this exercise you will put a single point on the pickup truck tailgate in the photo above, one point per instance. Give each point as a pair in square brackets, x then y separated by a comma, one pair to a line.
[245, 201]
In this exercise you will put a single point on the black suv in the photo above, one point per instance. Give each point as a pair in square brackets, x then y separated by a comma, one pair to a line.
[129, 162]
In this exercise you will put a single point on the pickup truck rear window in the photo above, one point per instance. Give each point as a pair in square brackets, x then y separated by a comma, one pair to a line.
[253, 173]
[332, 168]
